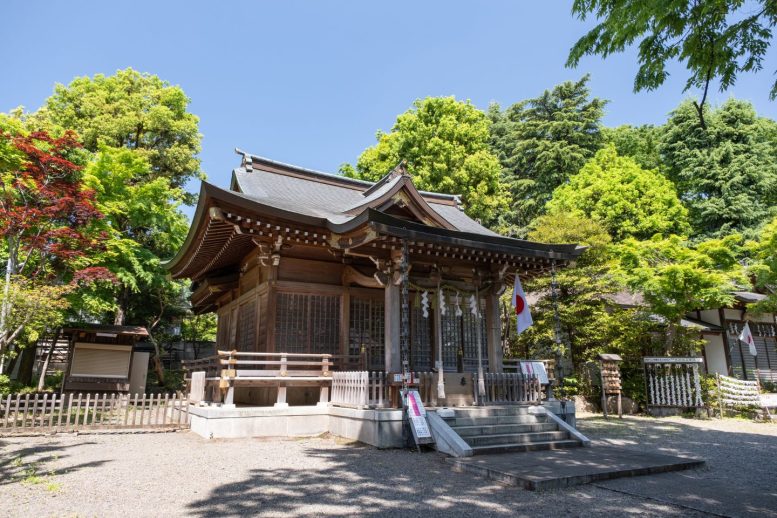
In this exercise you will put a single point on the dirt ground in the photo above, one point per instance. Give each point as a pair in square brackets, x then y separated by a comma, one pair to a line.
[181, 474]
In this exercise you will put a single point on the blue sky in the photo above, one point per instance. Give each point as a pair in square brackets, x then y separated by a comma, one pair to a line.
[309, 82]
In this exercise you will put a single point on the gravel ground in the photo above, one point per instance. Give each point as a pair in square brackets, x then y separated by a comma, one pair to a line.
[180, 474]
[740, 478]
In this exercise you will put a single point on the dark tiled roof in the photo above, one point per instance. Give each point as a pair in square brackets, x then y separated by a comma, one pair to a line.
[329, 196]
[748, 297]
[105, 328]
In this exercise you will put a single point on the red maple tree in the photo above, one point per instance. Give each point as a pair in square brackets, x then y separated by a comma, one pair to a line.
[46, 215]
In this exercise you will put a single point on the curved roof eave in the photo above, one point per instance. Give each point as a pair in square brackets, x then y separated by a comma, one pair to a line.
[209, 193]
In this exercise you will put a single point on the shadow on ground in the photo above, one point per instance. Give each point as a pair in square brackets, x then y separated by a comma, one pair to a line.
[18, 464]
[741, 461]
[364, 481]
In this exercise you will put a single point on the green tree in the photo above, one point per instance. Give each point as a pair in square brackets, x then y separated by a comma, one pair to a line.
[715, 39]
[764, 267]
[540, 143]
[133, 110]
[589, 321]
[640, 143]
[676, 277]
[446, 145]
[144, 225]
[142, 217]
[626, 199]
[196, 329]
[726, 173]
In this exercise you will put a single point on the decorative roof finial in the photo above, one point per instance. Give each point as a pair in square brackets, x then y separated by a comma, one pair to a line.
[247, 162]
[399, 170]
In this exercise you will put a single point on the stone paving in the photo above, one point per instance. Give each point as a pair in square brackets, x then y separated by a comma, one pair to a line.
[556, 469]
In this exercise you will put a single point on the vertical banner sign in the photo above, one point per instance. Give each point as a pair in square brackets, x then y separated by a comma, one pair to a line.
[416, 414]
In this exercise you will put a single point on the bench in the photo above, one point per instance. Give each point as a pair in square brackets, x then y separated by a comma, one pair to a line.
[227, 369]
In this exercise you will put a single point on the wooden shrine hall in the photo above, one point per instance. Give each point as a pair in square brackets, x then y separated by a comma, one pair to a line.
[309, 273]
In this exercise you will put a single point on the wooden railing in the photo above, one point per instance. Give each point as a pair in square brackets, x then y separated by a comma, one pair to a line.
[359, 389]
[508, 388]
[363, 389]
[24, 413]
[230, 368]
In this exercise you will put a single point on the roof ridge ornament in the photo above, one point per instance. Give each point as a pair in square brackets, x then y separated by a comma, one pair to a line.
[247, 162]
[399, 170]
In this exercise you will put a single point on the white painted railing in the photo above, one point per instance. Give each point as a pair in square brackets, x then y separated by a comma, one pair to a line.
[508, 388]
[359, 389]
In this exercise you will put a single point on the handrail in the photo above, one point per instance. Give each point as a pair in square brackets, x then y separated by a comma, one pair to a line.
[242, 353]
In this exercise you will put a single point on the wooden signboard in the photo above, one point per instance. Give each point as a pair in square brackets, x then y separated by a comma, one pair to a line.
[611, 380]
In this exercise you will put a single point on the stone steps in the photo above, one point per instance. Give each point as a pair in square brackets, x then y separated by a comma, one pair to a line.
[516, 438]
[455, 422]
[492, 411]
[495, 429]
[521, 447]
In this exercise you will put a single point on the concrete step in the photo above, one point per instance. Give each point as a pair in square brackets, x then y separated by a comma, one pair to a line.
[519, 447]
[491, 411]
[515, 438]
[560, 468]
[495, 420]
[494, 429]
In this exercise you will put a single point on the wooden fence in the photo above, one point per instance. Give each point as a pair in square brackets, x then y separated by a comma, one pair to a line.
[508, 388]
[25, 413]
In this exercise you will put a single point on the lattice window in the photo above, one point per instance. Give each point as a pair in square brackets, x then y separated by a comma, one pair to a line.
[307, 323]
[420, 340]
[324, 324]
[459, 335]
[222, 337]
[246, 333]
[367, 332]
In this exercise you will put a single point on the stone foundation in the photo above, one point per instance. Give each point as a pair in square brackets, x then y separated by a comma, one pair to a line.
[380, 428]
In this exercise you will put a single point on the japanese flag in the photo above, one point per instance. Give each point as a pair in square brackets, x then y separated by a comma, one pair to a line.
[522, 314]
[747, 337]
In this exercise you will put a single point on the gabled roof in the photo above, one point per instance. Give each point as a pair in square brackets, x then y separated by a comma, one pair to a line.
[339, 199]
[270, 202]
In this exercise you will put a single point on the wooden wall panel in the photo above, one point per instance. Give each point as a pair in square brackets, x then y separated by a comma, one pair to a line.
[301, 270]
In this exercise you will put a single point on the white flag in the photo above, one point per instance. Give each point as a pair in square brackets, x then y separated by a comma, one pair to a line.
[522, 314]
[747, 337]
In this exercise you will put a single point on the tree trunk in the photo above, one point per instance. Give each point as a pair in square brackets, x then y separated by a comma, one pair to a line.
[121, 307]
[45, 367]
[671, 332]
[160, 371]
[27, 364]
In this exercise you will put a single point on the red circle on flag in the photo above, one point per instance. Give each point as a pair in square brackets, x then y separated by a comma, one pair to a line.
[520, 304]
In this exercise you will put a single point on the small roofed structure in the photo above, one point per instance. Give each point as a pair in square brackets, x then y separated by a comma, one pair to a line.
[105, 358]
[303, 262]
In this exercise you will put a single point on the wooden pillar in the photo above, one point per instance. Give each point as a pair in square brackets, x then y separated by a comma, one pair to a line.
[494, 332]
[391, 326]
